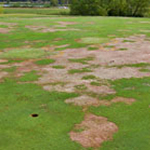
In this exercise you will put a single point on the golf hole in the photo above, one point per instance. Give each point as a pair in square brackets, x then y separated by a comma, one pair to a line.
[34, 115]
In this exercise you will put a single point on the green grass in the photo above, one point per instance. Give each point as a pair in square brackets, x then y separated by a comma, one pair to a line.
[96, 83]
[45, 61]
[123, 49]
[58, 83]
[29, 76]
[3, 26]
[92, 34]
[59, 67]
[138, 65]
[40, 11]
[145, 70]
[80, 87]
[128, 41]
[73, 71]
[24, 53]
[12, 61]
[82, 60]
[11, 69]
[20, 131]
[88, 77]
[92, 48]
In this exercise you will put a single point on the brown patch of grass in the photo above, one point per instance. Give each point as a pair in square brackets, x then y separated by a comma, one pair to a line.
[3, 74]
[103, 89]
[4, 30]
[65, 23]
[83, 101]
[3, 60]
[8, 24]
[127, 101]
[95, 130]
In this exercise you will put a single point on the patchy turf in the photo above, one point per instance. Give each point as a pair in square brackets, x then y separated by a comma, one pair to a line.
[84, 87]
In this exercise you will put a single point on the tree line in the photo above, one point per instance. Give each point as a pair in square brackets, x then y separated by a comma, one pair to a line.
[137, 8]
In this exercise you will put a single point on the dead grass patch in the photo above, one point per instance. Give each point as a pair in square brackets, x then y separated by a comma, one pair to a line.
[107, 61]
[118, 73]
[127, 101]
[103, 89]
[4, 30]
[95, 130]
[3, 74]
[83, 100]
[65, 23]
[3, 60]
[8, 24]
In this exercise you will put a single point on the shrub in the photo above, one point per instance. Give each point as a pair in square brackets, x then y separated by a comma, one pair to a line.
[53, 2]
[117, 8]
[110, 7]
[128, 7]
[138, 7]
[90, 7]
[1, 9]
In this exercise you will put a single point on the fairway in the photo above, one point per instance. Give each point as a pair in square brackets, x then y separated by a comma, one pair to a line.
[74, 83]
